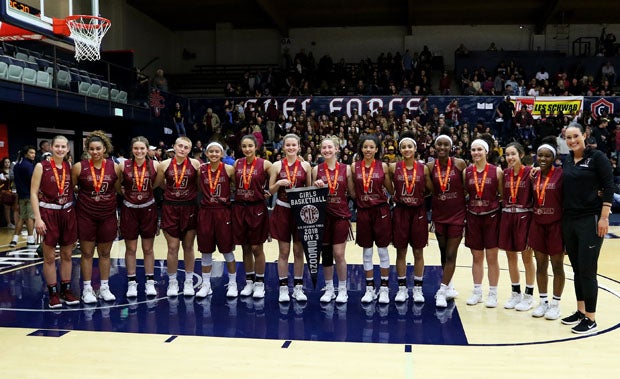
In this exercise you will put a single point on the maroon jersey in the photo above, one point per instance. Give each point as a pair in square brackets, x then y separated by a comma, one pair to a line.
[255, 179]
[551, 208]
[523, 191]
[449, 205]
[299, 178]
[416, 185]
[375, 194]
[100, 203]
[337, 204]
[131, 192]
[488, 201]
[48, 190]
[216, 191]
[187, 189]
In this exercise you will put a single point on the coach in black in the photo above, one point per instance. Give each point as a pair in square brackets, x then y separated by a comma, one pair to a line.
[588, 193]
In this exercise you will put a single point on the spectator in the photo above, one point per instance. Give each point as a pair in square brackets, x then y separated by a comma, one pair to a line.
[159, 81]
[178, 118]
[22, 175]
[44, 147]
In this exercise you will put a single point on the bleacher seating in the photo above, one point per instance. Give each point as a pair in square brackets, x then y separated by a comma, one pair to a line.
[4, 68]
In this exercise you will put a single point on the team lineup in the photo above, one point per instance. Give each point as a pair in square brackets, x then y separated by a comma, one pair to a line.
[540, 213]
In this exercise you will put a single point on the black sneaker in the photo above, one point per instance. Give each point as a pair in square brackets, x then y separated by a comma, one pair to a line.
[585, 326]
[573, 319]
[12, 243]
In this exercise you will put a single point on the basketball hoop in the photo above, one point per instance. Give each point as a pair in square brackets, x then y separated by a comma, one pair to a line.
[87, 33]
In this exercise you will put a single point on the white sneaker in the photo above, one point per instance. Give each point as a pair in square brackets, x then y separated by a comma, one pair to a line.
[475, 298]
[11, 226]
[451, 293]
[149, 289]
[188, 288]
[491, 300]
[418, 296]
[105, 294]
[258, 292]
[132, 289]
[440, 299]
[402, 295]
[173, 288]
[88, 296]
[541, 309]
[526, 303]
[204, 291]
[298, 293]
[329, 295]
[384, 295]
[284, 297]
[248, 289]
[342, 297]
[232, 290]
[515, 298]
[369, 296]
[553, 312]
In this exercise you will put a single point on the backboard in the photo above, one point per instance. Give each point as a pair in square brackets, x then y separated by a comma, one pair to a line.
[33, 19]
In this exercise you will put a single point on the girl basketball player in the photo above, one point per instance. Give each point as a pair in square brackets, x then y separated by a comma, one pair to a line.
[545, 235]
[250, 215]
[337, 177]
[179, 177]
[51, 194]
[217, 181]
[448, 212]
[409, 224]
[138, 213]
[483, 184]
[514, 226]
[96, 180]
[372, 180]
[290, 172]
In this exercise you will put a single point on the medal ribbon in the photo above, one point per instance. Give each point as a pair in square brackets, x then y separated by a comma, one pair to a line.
[541, 191]
[213, 185]
[178, 180]
[443, 182]
[60, 184]
[480, 187]
[139, 178]
[514, 190]
[97, 184]
[330, 184]
[411, 186]
[292, 179]
[246, 179]
[366, 179]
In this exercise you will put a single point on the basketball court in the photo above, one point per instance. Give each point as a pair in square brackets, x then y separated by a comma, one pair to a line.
[263, 338]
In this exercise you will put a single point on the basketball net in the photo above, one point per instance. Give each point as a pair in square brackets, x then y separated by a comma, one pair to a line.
[87, 33]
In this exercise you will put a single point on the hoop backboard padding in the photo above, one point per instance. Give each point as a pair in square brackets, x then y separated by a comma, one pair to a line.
[87, 33]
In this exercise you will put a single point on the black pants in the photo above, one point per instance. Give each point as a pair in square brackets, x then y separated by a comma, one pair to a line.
[583, 246]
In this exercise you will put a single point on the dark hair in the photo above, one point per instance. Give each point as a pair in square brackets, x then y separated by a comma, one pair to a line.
[550, 140]
[42, 143]
[517, 146]
[252, 137]
[25, 149]
[369, 137]
[576, 125]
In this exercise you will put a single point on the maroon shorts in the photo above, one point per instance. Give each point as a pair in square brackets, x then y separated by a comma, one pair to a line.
[374, 225]
[482, 231]
[409, 226]
[546, 238]
[513, 231]
[250, 223]
[61, 226]
[177, 220]
[215, 228]
[282, 224]
[96, 228]
[336, 230]
[449, 230]
[138, 222]
[8, 198]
